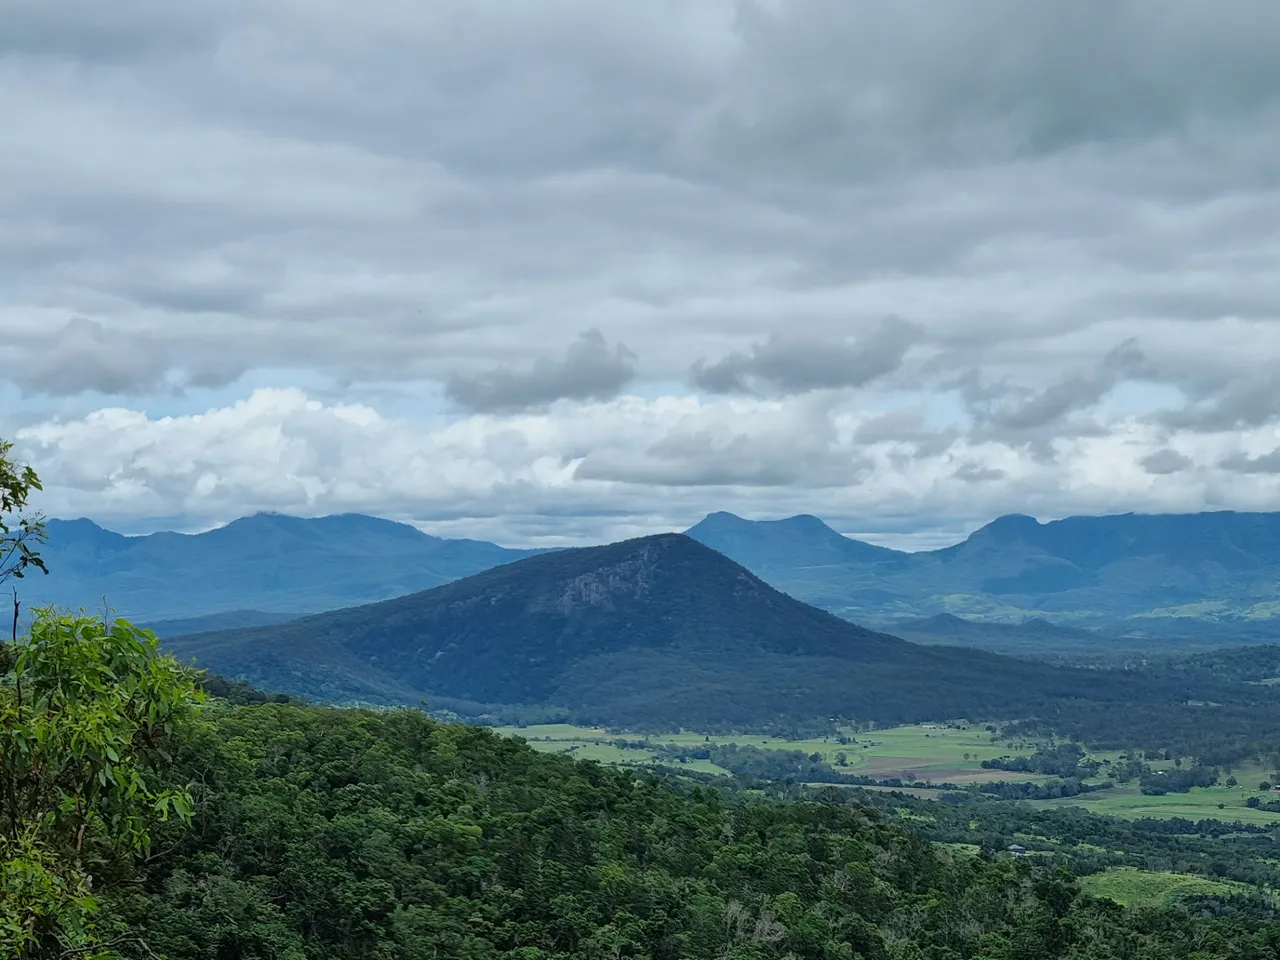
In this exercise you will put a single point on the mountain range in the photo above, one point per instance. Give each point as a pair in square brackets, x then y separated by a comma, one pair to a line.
[1210, 577]
[659, 631]
[1144, 574]
[257, 566]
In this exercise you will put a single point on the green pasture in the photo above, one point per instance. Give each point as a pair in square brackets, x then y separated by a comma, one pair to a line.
[604, 752]
[1142, 888]
[1199, 803]
[916, 752]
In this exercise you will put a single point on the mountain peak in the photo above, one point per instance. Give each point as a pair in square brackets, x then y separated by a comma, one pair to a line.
[526, 631]
[81, 530]
[82, 526]
[268, 561]
[655, 627]
[808, 522]
[1010, 526]
[720, 520]
[331, 526]
[727, 520]
[802, 540]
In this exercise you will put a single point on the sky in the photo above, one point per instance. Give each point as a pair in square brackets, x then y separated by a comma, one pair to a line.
[575, 270]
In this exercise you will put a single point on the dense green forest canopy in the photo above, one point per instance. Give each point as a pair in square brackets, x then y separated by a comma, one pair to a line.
[324, 832]
[343, 833]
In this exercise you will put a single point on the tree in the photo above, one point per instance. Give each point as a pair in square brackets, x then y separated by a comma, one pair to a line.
[19, 532]
[88, 714]
[1264, 785]
[88, 710]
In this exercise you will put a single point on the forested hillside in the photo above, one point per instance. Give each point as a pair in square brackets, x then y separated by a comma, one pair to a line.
[338, 834]
[654, 632]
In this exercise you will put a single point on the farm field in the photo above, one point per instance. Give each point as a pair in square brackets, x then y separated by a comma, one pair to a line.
[602, 750]
[924, 793]
[1141, 888]
[918, 752]
[1199, 803]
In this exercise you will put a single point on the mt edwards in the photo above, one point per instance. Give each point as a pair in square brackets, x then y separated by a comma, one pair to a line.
[659, 630]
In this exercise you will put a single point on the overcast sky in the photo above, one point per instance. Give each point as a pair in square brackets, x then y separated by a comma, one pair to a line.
[570, 270]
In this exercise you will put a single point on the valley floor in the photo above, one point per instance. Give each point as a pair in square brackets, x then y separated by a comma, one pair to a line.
[1229, 804]
[932, 753]
[929, 752]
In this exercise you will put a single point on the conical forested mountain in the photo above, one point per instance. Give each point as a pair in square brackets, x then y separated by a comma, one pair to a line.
[656, 630]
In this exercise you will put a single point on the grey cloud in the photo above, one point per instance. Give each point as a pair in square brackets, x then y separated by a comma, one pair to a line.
[364, 204]
[1235, 405]
[1006, 410]
[740, 462]
[905, 425]
[1164, 462]
[833, 89]
[589, 370]
[84, 355]
[793, 365]
[360, 177]
[891, 426]
[786, 446]
[235, 297]
[85, 30]
[1239, 463]
[978, 473]
[708, 458]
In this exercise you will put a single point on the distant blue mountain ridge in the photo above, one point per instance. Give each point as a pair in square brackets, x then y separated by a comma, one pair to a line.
[1146, 573]
[264, 564]
[1140, 573]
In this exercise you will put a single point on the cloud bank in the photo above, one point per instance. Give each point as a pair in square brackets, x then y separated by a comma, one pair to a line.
[901, 265]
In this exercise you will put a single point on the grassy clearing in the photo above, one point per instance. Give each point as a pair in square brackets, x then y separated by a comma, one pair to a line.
[963, 849]
[924, 793]
[1143, 888]
[1200, 803]
[604, 752]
